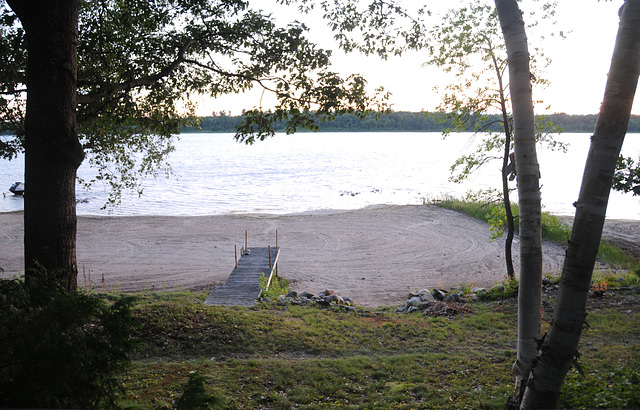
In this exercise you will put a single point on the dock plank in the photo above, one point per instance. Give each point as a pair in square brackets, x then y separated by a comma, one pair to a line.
[243, 285]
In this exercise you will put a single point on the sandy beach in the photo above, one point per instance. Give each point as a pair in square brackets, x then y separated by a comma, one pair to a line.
[375, 255]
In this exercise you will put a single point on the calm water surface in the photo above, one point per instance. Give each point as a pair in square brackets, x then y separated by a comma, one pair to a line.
[324, 171]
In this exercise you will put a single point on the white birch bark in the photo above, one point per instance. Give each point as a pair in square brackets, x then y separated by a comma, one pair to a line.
[528, 174]
[560, 345]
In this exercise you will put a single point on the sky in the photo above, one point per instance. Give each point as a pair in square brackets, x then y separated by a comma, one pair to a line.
[577, 74]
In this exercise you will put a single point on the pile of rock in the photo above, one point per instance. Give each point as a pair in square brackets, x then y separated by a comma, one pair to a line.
[326, 298]
[424, 298]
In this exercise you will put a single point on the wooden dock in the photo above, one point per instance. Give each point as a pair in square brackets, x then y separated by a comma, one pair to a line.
[243, 286]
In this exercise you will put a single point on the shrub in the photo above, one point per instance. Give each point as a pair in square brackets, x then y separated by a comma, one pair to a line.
[195, 395]
[505, 290]
[278, 286]
[60, 348]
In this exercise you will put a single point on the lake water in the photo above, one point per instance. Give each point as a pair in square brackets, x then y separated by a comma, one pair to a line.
[326, 171]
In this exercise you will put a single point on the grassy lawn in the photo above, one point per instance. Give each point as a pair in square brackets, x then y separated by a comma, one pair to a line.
[287, 356]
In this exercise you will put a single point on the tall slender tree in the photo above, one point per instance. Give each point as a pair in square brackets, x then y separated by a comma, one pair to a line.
[468, 43]
[528, 174]
[451, 46]
[559, 348]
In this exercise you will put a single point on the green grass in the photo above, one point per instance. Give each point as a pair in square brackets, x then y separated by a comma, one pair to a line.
[616, 257]
[278, 286]
[289, 356]
[615, 278]
[553, 229]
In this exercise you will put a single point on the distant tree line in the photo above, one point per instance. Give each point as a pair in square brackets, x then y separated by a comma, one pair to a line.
[402, 121]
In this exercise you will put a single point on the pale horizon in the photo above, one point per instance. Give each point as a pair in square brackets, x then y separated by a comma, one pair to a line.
[577, 75]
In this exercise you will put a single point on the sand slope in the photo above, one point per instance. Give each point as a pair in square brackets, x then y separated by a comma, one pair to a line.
[374, 255]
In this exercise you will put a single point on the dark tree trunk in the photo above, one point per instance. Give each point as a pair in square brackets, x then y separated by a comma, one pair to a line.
[560, 345]
[508, 242]
[52, 150]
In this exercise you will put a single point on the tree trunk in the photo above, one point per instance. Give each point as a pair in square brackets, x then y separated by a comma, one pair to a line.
[505, 175]
[559, 347]
[508, 242]
[52, 150]
[528, 175]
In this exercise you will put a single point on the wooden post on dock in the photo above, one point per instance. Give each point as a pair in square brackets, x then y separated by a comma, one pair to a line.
[246, 247]
[235, 250]
[275, 270]
[270, 266]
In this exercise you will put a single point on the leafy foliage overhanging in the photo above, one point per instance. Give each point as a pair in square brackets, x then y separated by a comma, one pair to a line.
[139, 64]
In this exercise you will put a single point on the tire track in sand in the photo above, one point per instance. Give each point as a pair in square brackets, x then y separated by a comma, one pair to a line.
[374, 255]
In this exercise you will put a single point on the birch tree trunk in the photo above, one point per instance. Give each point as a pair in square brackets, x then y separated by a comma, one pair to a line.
[528, 174]
[559, 347]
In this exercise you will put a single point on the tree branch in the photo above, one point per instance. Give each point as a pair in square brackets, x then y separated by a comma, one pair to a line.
[138, 82]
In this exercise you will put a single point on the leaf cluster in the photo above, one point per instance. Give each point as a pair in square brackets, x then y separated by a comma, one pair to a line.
[627, 176]
[329, 98]
[139, 63]
[13, 60]
[469, 45]
[491, 144]
[381, 28]
[61, 349]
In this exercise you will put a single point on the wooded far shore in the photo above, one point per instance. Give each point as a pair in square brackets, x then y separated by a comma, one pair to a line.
[401, 121]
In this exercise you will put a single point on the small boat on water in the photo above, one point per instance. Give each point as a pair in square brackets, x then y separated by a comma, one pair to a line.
[17, 188]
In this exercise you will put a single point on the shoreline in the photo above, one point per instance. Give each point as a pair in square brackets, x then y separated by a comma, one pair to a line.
[375, 255]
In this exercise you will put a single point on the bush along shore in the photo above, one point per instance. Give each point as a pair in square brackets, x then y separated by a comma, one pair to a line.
[401, 121]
